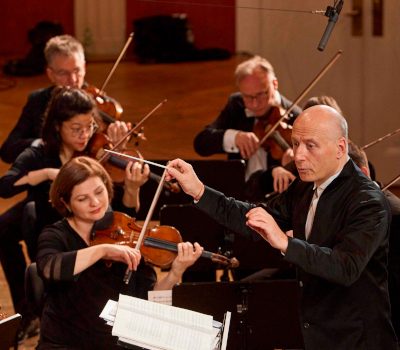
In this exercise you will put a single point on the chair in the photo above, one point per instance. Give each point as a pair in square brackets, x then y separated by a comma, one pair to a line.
[34, 290]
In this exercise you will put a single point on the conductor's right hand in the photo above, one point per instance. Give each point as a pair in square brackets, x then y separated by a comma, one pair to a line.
[183, 172]
[247, 143]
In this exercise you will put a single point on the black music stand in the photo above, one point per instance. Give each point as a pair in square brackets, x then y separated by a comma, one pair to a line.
[196, 226]
[226, 176]
[264, 314]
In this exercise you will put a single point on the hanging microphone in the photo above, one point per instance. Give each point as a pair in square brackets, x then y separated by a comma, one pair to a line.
[333, 14]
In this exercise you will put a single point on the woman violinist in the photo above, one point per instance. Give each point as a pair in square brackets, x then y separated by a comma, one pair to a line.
[78, 283]
[70, 122]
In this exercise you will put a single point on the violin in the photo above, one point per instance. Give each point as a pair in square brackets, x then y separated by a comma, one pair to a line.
[270, 128]
[160, 244]
[280, 140]
[109, 109]
[116, 165]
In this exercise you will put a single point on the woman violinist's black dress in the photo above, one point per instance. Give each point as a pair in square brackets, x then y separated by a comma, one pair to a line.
[74, 303]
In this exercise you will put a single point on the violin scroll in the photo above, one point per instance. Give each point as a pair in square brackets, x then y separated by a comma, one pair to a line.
[232, 263]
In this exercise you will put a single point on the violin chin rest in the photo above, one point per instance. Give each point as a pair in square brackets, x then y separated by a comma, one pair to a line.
[105, 222]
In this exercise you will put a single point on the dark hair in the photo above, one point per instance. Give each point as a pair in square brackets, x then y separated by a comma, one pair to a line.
[64, 104]
[358, 155]
[323, 100]
[73, 173]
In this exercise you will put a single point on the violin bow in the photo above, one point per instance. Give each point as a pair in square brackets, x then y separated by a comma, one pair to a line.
[309, 87]
[128, 273]
[397, 178]
[137, 126]
[116, 64]
[391, 134]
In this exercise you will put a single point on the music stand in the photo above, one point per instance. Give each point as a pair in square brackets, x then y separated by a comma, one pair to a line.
[213, 173]
[196, 226]
[264, 314]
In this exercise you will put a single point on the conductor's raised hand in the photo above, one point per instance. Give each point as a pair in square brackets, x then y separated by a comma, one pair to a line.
[263, 223]
[183, 172]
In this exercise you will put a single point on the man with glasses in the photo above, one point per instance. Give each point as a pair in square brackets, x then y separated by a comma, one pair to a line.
[66, 66]
[232, 131]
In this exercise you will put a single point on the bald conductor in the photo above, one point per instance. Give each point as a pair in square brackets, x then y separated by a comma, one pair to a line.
[340, 222]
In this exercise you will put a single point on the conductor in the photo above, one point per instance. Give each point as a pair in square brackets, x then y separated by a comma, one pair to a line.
[340, 222]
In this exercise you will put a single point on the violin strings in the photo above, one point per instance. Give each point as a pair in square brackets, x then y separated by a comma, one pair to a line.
[173, 246]
[162, 244]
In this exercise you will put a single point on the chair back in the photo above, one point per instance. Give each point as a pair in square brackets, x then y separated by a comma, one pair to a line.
[34, 290]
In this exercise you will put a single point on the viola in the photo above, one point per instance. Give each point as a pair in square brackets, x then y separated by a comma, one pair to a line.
[280, 140]
[160, 244]
[116, 165]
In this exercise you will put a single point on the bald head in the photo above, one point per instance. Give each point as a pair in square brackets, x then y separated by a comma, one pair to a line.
[326, 119]
[319, 139]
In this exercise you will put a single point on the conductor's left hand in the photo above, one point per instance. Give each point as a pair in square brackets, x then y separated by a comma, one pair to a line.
[263, 223]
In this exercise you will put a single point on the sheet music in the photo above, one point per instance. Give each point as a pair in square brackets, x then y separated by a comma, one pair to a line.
[160, 296]
[109, 312]
[161, 326]
[172, 314]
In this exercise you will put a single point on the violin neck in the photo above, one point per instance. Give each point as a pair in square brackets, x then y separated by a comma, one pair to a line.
[116, 161]
[106, 118]
[278, 138]
[171, 246]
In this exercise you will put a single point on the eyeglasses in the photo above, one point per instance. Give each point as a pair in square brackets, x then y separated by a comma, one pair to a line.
[258, 97]
[66, 74]
[89, 131]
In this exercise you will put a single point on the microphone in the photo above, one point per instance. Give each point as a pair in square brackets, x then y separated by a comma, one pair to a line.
[333, 14]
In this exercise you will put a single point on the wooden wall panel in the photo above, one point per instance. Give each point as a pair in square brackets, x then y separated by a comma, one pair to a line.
[213, 25]
[17, 17]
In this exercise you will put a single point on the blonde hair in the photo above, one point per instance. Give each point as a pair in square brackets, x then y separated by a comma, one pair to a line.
[64, 45]
[248, 67]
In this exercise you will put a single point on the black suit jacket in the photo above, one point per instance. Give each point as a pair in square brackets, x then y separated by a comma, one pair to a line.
[233, 116]
[28, 127]
[343, 296]
[394, 260]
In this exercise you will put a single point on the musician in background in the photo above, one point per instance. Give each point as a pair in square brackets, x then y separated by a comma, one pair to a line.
[78, 283]
[69, 125]
[359, 157]
[232, 131]
[323, 100]
[66, 66]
